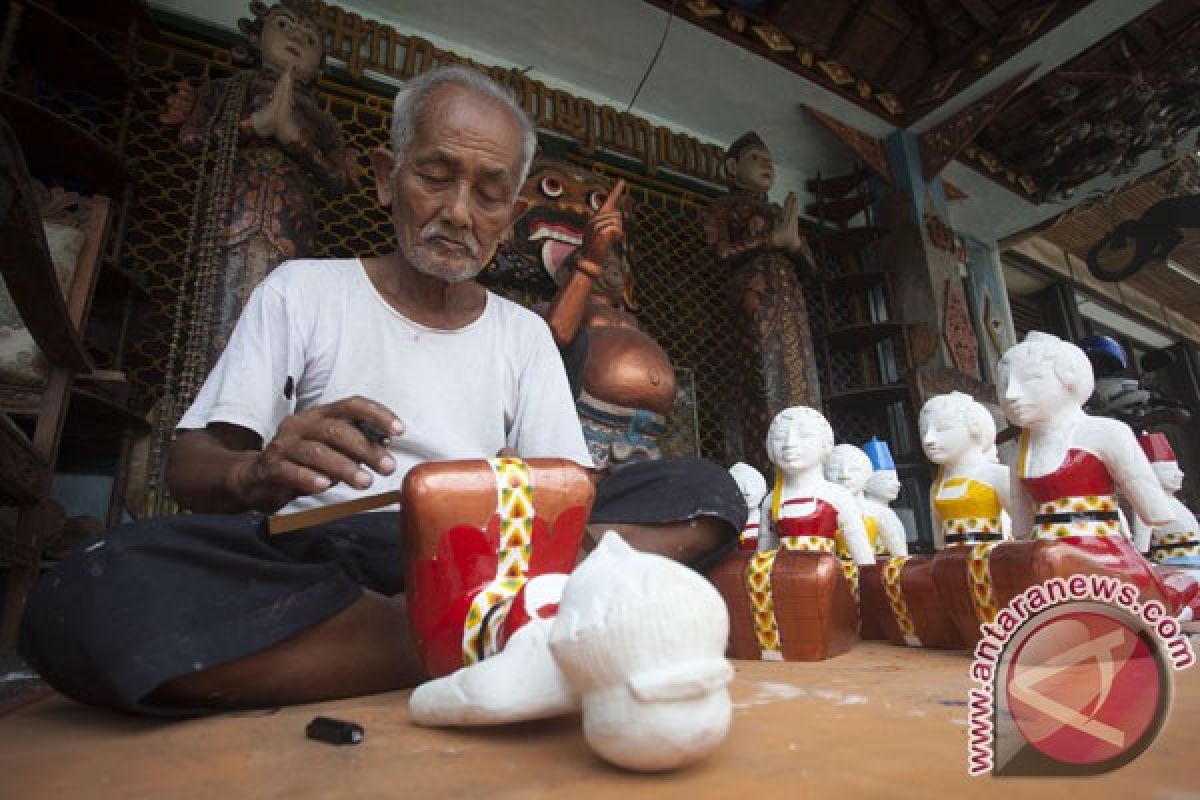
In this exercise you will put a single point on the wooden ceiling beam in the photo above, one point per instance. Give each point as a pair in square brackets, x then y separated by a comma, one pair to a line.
[845, 32]
[981, 12]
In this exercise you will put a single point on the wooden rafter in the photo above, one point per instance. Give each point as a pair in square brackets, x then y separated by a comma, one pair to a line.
[850, 25]
[961, 59]
[940, 144]
[981, 12]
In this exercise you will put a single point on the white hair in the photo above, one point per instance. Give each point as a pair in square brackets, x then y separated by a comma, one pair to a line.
[842, 456]
[411, 100]
[978, 420]
[786, 416]
[1070, 363]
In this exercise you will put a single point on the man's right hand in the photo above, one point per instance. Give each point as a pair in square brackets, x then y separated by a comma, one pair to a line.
[313, 450]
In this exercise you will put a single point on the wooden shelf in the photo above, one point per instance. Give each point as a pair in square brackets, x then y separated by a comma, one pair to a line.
[26, 267]
[854, 281]
[839, 211]
[66, 56]
[54, 146]
[837, 186]
[854, 337]
[851, 240]
[870, 395]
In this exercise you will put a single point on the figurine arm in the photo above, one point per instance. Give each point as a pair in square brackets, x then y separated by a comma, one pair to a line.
[892, 531]
[854, 530]
[565, 314]
[323, 152]
[1132, 472]
[1020, 507]
[1142, 534]
[716, 233]
[194, 131]
[767, 536]
[998, 479]
[603, 230]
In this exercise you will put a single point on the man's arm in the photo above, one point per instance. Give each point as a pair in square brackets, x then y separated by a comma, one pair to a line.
[224, 468]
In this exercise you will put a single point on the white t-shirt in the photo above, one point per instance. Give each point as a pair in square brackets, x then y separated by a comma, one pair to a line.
[317, 331]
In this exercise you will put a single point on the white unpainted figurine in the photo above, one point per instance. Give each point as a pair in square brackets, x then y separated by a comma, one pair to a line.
[638, 643]
[642, 639]
[805, 510]
[1175, 543]
[883, 487]
[1070, 467]
[969, 497]
[850, 467]
[753, 487]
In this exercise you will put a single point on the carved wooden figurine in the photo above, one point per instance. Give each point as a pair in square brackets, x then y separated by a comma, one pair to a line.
[794, 599]
[880, 491]
[570, 246]
[266, 139]
[753, 487]
[968, 501]
[1175, 543]
[635, 640]
[850, 467]
[1064, 485]
[762, 248]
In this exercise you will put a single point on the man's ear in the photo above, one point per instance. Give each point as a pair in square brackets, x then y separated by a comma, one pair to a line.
[730, 168]
[384, 164]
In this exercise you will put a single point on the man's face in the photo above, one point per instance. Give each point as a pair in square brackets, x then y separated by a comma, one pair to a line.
[291, 41]
[454, 192]
[755, 170]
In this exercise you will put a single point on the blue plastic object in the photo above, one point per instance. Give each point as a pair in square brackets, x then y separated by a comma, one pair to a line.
[1105, 353]
[880, 454]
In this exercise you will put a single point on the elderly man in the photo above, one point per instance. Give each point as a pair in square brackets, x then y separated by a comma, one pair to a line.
[203, 611]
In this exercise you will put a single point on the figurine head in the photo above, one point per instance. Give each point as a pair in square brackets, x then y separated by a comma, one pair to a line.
[1158, 450]
[461, 148]
[561, 199]
[751, 483]
[748, 164]
[953, 425]
[848, 466]
[642, 639]
[799, 438]
[883, 485]
[1039, 377]
[287, 35]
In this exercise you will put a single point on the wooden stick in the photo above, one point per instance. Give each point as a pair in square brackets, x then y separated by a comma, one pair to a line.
[286, 523]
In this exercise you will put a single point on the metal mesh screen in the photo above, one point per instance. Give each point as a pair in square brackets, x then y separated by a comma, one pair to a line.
[680, 288]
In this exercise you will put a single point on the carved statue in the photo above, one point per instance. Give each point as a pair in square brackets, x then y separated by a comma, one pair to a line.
[753, 487]
[270, 139]
[880, 491]
[794, 598]
[763, 249]
[969, 497]
[1175, 543]
[261, 137]
[634, 640]
[850, 467]
[1071, 466]
[805, 510]
[571, 243]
